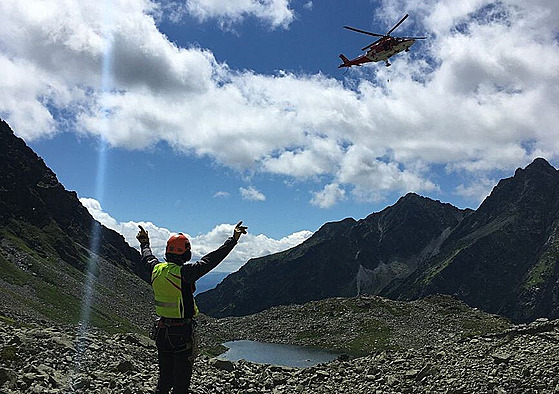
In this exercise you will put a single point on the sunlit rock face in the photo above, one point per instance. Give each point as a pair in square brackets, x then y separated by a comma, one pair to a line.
[502, 258]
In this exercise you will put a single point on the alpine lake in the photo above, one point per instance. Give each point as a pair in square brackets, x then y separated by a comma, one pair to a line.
[277, 354]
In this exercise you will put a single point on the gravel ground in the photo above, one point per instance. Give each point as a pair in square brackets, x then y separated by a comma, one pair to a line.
[444, 356]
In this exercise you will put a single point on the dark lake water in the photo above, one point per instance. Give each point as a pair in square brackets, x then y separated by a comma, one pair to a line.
[276, 354]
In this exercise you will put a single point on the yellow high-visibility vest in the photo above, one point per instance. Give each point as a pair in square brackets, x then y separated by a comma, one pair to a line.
[166, 280]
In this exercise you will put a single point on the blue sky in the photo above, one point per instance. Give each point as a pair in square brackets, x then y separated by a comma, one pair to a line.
[191, 115]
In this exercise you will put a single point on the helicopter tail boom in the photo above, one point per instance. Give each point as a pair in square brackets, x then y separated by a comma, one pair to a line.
[345, 60]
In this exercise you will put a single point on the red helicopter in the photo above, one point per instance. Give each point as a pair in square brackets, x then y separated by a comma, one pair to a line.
[382, 49]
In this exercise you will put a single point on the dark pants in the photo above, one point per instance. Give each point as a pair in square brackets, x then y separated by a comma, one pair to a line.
[175, 355]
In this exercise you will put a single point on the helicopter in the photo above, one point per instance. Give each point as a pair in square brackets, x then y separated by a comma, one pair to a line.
[382, 49]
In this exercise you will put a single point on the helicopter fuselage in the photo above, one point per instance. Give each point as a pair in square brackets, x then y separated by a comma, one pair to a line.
[387, 47]
[381, 50]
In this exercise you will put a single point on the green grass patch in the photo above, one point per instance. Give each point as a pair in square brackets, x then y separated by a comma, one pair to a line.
[54, 304]
[441, 266]
[13, 274]
[375, 336]
[48, 244]
[112, 323]
[308, 335]
[8, 353]
[7, 320]
[359, 305]
[477, 327]
[543, 269]
[213, 351]
[58, 305]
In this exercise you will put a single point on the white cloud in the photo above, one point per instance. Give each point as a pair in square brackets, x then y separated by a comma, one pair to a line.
[319, 156]
[477, 190]
[373, 177]
[250, 245]
[329, 196]
[221, 194]
[479, 95]
[250, 193]
[274, 12]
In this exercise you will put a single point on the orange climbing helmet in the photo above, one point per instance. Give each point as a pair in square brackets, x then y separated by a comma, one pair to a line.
[177, 244]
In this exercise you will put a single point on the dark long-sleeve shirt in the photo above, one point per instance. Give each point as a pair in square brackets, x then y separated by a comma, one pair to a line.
[190, 272]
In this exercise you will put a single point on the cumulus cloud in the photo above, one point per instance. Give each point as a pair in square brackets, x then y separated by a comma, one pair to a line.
[477, 190]
[473, 99]
[250, 193]
[329, 196]
[276, 13]
[250, 246]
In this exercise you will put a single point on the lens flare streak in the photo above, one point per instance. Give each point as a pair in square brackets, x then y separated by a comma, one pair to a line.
[95, 235]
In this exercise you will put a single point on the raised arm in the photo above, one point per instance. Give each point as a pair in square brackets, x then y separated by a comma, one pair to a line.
[148, 259]
[192, 272]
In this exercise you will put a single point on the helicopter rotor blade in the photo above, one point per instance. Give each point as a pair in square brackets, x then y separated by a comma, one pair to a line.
[364, 31]
[414, 38]
[397, 24]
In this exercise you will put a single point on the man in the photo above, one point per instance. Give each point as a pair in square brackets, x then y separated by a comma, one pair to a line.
[173, 283]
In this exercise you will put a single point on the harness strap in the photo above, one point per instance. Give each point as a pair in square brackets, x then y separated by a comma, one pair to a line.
[164, 323]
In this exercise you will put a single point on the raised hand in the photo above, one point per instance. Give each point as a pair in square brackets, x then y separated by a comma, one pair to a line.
[142, 236]
[239, 229]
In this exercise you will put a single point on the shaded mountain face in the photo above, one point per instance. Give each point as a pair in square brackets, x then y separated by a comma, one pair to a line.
[341, 259]
[45, 241]
[502, 258]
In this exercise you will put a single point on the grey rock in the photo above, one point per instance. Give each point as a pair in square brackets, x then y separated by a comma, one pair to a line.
[224, 365]
[7, 375]
[125, 366]
[501, 357]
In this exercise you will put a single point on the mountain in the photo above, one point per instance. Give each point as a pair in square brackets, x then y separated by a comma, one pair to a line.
[502, 257]
[209, 281]
[341, 259]
[46, 255]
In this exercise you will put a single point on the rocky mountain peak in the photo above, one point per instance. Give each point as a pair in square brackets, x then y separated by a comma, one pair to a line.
[411, 196]
[539, 165]
[534, 188]
[414, 201]
[411, 199]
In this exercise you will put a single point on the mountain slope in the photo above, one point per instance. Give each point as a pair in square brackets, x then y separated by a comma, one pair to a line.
[45, 242]
[503, 257]
[341, 259]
